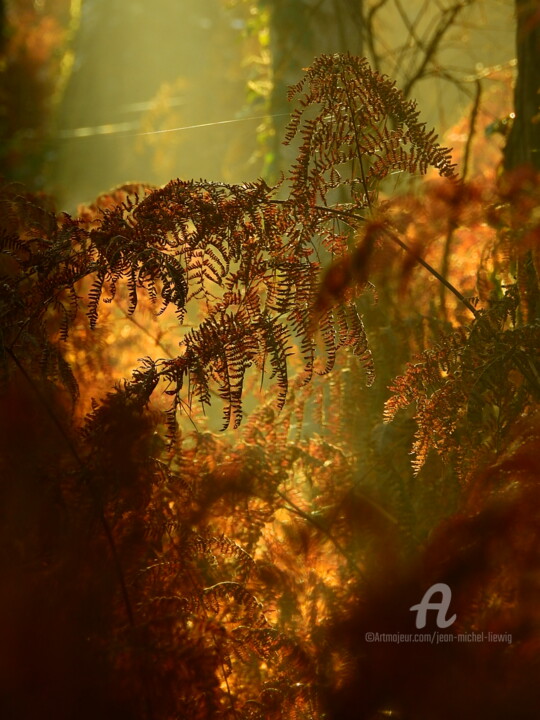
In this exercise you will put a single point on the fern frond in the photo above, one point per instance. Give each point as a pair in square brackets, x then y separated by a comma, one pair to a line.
[361, 119]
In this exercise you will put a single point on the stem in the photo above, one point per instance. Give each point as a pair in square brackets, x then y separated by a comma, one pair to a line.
[306, 516]
[472, 126]
[346, 214]
[392, 236]
[225, 678]
[358, 151]
[445, 264]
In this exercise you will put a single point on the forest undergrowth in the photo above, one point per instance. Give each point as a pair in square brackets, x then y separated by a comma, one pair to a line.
[374, 356]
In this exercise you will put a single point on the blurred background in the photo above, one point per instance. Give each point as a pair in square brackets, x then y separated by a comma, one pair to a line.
[97, 93]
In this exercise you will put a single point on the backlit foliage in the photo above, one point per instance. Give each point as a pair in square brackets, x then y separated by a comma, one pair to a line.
[156, 569]
[33, 61]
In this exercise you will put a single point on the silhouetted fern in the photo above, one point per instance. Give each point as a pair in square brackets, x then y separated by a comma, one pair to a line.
[202, 577]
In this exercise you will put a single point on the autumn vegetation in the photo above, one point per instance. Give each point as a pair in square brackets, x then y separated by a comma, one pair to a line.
[373, 356]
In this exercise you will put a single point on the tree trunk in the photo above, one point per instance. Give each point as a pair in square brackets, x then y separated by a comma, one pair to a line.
[300, 31]
[523, 147]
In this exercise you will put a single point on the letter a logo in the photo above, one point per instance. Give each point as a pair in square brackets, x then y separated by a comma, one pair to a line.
[442, 607]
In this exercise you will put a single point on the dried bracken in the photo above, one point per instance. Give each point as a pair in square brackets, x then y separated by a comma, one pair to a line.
[153, 571]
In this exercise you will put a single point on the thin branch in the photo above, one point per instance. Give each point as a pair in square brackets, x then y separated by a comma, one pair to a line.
[157, 342]
[410, 26]
[306, 516]
[344, 214]
[453, 289]
[446, 21]
[472, 127]
[447, 250]
[370, 33]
